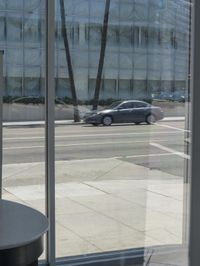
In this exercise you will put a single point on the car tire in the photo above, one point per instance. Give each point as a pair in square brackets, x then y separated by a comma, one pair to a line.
[150, 119]
[107, 120]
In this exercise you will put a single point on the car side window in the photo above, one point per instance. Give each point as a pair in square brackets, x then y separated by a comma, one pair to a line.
[140, 105]
[126, 105]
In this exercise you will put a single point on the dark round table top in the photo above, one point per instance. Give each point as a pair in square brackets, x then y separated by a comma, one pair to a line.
[20, 225]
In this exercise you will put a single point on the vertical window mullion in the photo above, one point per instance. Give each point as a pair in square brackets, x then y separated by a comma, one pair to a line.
[49, 130]
[194, 255]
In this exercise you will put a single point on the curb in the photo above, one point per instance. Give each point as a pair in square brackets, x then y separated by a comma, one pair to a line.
[70, 122]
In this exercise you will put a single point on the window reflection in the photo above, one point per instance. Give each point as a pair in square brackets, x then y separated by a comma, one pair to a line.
[63, 87]
[2, 4]
[16, 4]
[142, 27]
[14, 28]
[15, 57]
[126, 36]
[146, 58]
[94, 34]
[2, 27]
[32, 57]
[14, 86]
[32, 30]
[125, 89]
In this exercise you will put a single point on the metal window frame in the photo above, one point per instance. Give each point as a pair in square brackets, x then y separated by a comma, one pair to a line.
[194, 227]
[1, 120]
[50, 130]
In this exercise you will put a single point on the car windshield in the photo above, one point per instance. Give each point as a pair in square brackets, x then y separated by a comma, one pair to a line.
[113, 105]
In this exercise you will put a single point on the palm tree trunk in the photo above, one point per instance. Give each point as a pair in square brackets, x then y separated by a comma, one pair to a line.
[69, 62]
[102, 55]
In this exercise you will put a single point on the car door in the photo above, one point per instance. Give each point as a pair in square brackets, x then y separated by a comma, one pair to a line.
[138, 113]
[124, 113]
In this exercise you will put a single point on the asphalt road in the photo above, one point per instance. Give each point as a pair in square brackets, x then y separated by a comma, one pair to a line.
[159, 146]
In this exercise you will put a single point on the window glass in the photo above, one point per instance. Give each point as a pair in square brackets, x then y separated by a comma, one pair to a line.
[114, 10]
[31, 86]
[32, 5]
[2, 4]
[144, 37]
[124, 89]
[62, 58]
[139, 89]
[127, 105]
[74, 32]
[32, 81]
[81, 7]
[31, 30]
[17, 4]
[15, 56]
[13, 27]
[14, 86]
[153, 37]
[141, 11]
[63, 88]
[32, 56]
[94, 36]
[109, 88]
[97, 8]
[135, 36]
[120, 187]
[113, 35]
[2, 27]
[127, 10]
[140, 105]
[22, 23]
[93, 60]
[91, 88]
[111, 60]
[167, 38]
[126, 36]
[126, 60]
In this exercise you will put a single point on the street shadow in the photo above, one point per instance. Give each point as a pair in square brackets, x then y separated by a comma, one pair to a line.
[116, 125]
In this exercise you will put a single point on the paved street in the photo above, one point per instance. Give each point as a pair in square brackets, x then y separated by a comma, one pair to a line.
[130, 142]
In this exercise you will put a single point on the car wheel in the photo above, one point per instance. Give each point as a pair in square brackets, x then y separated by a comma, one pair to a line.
[107, 120]
[150, 119]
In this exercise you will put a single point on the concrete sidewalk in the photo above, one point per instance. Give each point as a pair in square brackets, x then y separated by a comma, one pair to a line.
[104, 204]
[71, 122]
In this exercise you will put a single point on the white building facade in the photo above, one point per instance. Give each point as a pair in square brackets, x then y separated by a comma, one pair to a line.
[146, 52]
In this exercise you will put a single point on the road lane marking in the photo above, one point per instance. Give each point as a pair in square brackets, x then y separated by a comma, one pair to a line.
[87, 144]
[172, 151]
[150, 133]
[144, 155]
[176, 128]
